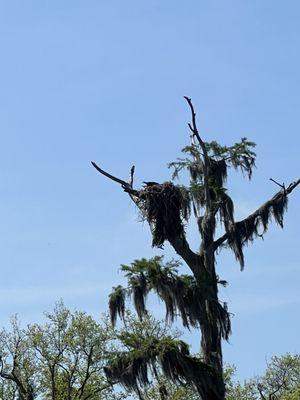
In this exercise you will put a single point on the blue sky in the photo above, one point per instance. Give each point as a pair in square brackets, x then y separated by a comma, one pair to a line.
[104, 81]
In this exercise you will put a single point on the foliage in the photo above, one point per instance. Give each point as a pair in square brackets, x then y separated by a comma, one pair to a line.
[130, 368]
[52, 360]
[282, 378]
[18, 369]
[61, 359]
[147, 354]
[239, 156]
[280, 381]
[181, 294]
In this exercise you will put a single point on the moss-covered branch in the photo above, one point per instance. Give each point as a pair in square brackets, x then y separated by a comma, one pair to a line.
[238, 234]
[131, 368]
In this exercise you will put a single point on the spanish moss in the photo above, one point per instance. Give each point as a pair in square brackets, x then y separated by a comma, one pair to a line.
[182, 295]
[117, 303]
[132, 368]
[240, 233]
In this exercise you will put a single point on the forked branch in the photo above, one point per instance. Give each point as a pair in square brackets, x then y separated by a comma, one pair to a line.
[125, 185]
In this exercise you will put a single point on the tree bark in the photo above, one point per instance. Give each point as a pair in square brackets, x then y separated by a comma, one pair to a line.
[211, 346]
[203, 269]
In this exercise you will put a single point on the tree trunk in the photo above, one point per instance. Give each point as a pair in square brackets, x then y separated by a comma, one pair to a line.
[211, 347]
[203, 268]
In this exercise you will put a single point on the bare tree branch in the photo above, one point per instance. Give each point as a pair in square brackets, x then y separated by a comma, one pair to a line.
[125, 185]
[261, 392]
[80, 390]
[99, 390]
[194, 129]
[113, 178]
[282, 186]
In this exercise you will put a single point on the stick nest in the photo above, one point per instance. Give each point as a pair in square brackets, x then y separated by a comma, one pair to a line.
[165, 207]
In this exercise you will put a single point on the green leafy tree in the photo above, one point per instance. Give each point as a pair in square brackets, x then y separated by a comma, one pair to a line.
[18, 371]
[61, 359]
[167, 207]
[281, 379]
[8, 390]
[71, 348]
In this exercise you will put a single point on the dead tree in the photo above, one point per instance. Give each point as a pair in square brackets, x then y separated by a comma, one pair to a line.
[167, 207]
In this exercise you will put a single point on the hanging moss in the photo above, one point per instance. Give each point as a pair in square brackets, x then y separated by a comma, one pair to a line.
[219, 314]
[196, 170]
[197, 196]
[226, 210]
[181, 294]
[240, 156]
[165, 207]
[131, 368]
[117, 303]
[240, 233]
[139, 291]
[217, 172]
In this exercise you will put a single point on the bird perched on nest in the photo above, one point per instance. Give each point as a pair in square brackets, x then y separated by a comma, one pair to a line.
[150, 183]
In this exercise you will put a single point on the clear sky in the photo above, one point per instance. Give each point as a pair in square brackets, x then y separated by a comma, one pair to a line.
[104, 81]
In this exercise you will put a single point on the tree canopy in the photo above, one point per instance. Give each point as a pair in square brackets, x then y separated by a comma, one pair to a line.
[65, 358]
